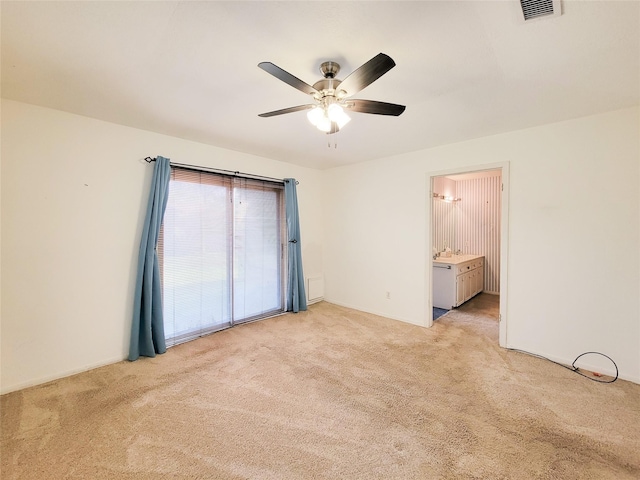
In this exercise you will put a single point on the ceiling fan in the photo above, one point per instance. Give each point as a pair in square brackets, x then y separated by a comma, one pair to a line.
[332, 97]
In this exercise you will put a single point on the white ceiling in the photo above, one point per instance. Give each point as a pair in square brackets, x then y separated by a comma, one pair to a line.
[189, 69]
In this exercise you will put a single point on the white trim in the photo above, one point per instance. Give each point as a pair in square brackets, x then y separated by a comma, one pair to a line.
[504, 254]
[375, 312]
[57, 376]
[581, 364]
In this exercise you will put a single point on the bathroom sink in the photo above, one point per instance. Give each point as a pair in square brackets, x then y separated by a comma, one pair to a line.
[455, 259]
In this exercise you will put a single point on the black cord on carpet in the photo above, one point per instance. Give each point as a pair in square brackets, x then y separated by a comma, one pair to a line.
[573, 367]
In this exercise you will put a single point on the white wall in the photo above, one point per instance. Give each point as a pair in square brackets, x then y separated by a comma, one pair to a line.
[74, 192]
[574, 241]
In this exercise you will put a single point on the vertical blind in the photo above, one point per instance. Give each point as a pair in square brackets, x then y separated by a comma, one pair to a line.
[221, 252]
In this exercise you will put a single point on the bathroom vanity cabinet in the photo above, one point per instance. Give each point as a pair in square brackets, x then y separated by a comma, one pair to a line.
[456, 279]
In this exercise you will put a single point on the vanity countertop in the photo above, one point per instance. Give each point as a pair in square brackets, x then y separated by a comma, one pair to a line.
[456, 259]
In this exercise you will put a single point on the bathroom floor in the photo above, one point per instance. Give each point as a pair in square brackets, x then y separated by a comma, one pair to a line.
[438, 312]
[483, 304]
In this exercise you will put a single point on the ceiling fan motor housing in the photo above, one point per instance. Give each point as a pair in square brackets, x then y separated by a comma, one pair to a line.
[328, 86]
[329, 69]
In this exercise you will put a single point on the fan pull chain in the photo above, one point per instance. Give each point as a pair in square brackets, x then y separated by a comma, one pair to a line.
[335, 142]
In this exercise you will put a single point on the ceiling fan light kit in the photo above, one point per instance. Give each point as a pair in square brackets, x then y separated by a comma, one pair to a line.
[332, 96]
[322, 117]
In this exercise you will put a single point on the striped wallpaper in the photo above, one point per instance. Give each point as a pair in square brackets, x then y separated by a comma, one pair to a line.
[472, 225]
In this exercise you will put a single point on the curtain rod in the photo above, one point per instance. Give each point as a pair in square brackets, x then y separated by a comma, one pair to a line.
[220, 170]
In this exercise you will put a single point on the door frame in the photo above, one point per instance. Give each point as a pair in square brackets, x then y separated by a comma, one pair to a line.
[504, 240]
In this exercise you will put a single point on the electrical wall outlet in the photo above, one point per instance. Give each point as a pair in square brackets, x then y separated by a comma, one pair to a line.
[388, 295]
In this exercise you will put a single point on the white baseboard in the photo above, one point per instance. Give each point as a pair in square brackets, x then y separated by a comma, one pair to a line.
[57, 376]
[380, 314]
[583, 364]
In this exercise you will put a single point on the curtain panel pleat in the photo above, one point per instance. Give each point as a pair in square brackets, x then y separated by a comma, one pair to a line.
[147, 328]
[296, 297]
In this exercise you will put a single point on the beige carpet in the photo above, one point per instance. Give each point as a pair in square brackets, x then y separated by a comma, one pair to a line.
[331, 393]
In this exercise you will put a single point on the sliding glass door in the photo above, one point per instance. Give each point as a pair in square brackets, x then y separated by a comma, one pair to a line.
[257, 250]
[221, 252]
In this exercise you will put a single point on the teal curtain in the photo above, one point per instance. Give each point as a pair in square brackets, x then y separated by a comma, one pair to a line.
[147, 329]
[296, 297]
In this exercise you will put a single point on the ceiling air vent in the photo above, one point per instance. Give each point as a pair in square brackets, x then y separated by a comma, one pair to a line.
[532, 9]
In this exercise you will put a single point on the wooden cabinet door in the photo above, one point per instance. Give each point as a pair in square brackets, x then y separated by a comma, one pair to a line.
[480, 280]
[474, 282]
[469, 283]
[460, 289]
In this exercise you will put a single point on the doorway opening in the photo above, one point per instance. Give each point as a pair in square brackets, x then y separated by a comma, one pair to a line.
[467, 261]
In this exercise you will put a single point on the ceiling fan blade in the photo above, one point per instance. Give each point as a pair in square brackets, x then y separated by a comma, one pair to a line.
[286, 77]
[286, 110]
[367, 74]
[377, 108]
